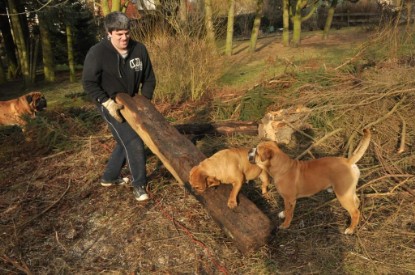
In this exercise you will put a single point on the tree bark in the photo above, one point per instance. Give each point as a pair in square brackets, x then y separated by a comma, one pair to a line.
[229, 31]
[286, 23]
[47, 53]
[257, 23]
[329, 19]
[71, 62]
[9, 44]
[246, 225]
[210, 30]
[20, 42]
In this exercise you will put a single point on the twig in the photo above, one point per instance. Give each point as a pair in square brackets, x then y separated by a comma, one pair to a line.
[388, 169]
[298, 130]
[20, 266]
[386, 194]
[57, 239]
[394, 176]
[403, 135]
[387, 114]
[54, 155]
[47, 209]
[318, 142]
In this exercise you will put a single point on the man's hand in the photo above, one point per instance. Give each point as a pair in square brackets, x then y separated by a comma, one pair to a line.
[114, 109]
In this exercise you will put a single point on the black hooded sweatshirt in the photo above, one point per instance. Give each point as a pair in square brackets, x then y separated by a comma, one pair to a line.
[107, 73]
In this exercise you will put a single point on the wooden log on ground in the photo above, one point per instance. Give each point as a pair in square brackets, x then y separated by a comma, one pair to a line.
[221, 128]
[248, 227]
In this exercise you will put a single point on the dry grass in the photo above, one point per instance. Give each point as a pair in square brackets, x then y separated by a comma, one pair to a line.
[55, 219]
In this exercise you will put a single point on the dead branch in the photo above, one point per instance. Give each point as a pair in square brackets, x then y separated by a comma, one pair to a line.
[388, 169]
[47, 209]
[403, 134]
[387, 114]
[298, 130]
[394, 176]
[20, 266]
[318, 142]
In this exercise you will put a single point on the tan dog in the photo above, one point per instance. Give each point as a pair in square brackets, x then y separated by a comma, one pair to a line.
[296, 179]
[12, 111]
[227, 166]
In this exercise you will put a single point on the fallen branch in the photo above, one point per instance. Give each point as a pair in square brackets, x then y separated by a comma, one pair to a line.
[403, 134]
[394, 176]
[20, 266]
[318, 142]
[47, 209]
[386, 115]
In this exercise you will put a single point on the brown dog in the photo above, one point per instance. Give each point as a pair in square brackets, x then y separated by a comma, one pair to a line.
[296, 179]
[227, 166]
[12, 111]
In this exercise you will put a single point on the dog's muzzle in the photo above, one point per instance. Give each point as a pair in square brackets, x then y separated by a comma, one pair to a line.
[251, 155]
[41, 104]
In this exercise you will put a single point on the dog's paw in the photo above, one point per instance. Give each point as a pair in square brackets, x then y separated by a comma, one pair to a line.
[281, 215]
[283, 226]
[349, 231]
[232, 204]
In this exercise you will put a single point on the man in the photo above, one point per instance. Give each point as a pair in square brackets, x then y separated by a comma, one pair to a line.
[119, 64]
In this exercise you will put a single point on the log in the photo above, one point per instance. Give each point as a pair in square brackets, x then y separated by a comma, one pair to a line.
[219, 128]
[246, 225]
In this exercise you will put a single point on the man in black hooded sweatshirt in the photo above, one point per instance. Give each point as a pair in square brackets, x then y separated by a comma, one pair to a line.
[119, 64]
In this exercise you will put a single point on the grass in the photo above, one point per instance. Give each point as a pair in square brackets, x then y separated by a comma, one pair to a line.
[56, 220]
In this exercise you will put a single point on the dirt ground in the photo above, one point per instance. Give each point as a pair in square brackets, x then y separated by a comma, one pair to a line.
[55, 218]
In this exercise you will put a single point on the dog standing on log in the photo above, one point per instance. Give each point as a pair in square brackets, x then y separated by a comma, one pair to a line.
[296, 179]
[12, 111]
[229, 166]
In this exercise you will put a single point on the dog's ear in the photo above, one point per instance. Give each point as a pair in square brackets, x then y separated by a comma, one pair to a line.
[267, 154]
[197, 179]
[29, 98]
[211, 181]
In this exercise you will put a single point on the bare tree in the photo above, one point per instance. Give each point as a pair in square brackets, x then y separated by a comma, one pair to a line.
[229, 32]
[8, 43]
[71, 61]
[20, 41]
[286, 22]
[329, 18]
[210, 30]
[297, 17]
[257, 23]
[47, 53]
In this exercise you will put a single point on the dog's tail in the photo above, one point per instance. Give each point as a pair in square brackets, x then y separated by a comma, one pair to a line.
[361, 148]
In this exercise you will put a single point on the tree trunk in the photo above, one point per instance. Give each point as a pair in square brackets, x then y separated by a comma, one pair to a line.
[247, 226]
[329, 19]
[298, 18]
[229, 31]
[183, 12]
[257, 23]
[295, 42]
[105, 7]
[8, 44]
[47, 53]
[2, 73]
[34, 54]
[20, 42]
[408, 15]
[115, 5]
[71, 61]
[286, 23]
[210, 30]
